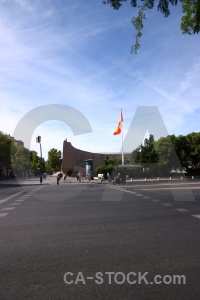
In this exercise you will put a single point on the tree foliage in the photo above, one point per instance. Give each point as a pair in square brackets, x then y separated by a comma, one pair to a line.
[170, 153]
[190, 22]
[104, 169]
[18, 160]
[21, 163]
[146, 153]
[5, 157]
[111, 164]
[15, 159]
[54, 159]
[35, 162]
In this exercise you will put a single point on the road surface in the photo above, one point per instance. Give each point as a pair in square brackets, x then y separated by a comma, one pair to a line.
[100, 241]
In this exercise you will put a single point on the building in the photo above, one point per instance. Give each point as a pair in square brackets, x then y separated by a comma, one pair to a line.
[74, 159]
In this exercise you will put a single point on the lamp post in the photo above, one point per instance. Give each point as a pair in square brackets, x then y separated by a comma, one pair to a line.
[38, 140]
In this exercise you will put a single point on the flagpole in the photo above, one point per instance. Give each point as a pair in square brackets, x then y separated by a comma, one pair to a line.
[122, 149]
[118, 130]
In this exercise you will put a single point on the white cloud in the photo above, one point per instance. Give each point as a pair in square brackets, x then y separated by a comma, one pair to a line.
[25, 4]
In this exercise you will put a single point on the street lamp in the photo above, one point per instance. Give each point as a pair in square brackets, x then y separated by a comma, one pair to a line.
[38, 140]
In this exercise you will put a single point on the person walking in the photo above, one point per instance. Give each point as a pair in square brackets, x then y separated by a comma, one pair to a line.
[58, 178]
[108, 177]
[78, 176]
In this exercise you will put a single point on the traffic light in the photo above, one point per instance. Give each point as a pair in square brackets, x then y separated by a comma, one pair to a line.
[38, 139]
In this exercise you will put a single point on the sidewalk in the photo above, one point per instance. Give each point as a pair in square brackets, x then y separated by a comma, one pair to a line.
[50, 180]
[26, 181]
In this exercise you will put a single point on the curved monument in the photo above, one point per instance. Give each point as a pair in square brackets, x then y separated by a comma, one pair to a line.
[74, 159]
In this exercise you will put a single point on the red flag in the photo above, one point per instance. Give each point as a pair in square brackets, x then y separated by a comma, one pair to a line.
[119, 127]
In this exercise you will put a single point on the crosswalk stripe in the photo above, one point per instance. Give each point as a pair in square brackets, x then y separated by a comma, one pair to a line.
[196, 216]
[10, 197]
[3, 214]
[8, 208]
[182, 209]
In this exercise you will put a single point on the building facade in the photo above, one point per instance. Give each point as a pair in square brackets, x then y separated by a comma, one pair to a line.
[74, 159]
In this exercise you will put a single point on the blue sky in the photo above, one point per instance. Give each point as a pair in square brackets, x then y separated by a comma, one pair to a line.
[77, 53]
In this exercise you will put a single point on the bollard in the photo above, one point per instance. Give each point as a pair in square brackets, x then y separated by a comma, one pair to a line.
[158, 178]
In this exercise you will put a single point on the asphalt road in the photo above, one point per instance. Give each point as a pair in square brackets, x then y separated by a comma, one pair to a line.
[99, 241]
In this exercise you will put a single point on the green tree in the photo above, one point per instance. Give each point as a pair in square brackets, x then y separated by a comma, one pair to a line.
[48, 168]
[35, 162]
[115, 161]
[5, 153]
[169, 153]
[104, 169]
[110, 161]
[54, 159]
[193, 142]
[21, 163]
[167, 156]
[146, 153]
[190, 22]
[182, 149]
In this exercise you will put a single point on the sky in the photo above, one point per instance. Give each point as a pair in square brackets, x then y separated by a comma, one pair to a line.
[77, 54]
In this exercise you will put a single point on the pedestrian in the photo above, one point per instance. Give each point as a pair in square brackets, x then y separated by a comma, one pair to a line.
[108, 177]
[89, 177]
[78, 177]
[58, 178]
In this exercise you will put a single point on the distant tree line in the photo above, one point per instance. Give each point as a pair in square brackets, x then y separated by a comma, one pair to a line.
[169, 154]
[16, 160]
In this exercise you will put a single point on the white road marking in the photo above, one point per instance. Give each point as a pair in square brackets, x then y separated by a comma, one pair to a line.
[168, 188]
[14, 203]
[3, 214]
[196, 216]
[167, 204]
[8, 208]
[147, 197]
[10, 197]
[35, 190]
[20, 200]
[182, 209]
[155, 200]
[139, 195]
